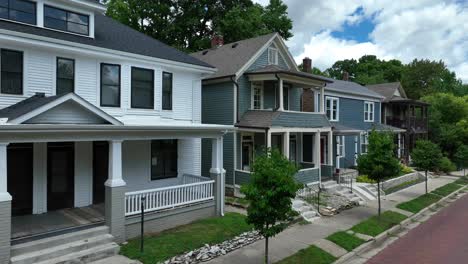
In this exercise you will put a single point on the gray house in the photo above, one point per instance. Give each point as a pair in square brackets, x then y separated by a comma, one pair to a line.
[258, 88]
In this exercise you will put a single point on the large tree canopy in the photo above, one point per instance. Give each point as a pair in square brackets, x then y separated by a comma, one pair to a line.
[188, 25]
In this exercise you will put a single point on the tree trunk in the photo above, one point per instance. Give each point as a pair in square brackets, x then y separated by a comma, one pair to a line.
[266, 250]
[378, 194]
[426, 181]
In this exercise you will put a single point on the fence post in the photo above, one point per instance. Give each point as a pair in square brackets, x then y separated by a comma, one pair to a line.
[143, 199]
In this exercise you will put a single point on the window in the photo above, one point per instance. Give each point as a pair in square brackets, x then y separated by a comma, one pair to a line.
[247, 152]
[110, 85]
[142, 88]
[167, 91]
[163, 159]
[272, 56]
[332, 108]
[364, 142]
[307, 150]
[369, 111]
[292, 148]
[12, 72]
[69, 21]
[257, 95]
[65, 76]
[340, 146]
[18, 10]
[286, 97]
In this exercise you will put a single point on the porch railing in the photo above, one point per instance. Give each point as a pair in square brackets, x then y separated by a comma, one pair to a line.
[169, 197]
[190, 178]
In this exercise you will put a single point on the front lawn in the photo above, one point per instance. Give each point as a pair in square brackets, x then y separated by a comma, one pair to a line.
[419, 203]
[374, 226]
[402, 186]
[462, 181]
[169, 243]
[446, 189]
[345, 240]
[309, 255]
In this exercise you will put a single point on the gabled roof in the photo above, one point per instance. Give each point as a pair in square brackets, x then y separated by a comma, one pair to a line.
[276, 69]
[112, 35]
[352, 88]
[262, 119]
[39, 104]
[231, 58]
[388, 90]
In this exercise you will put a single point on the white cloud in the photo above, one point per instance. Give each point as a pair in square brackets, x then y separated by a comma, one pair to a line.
[403, 30]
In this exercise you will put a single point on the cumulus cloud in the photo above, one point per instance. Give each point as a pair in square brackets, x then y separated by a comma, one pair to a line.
[403, 30]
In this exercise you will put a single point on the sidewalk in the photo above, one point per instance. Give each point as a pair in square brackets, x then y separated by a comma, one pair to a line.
[298, 237]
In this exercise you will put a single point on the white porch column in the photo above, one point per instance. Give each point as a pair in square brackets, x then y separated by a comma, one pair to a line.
[322, 99]
[217, 174]
[399, 145]
[5, 207]
[115, 193]
[268, 139]
[286, 144]
[317, 148]
[281, 97]
[330, 148]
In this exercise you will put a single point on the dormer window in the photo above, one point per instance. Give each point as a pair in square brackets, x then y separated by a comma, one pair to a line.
[23, 11]
[65, 20]
[273, 56]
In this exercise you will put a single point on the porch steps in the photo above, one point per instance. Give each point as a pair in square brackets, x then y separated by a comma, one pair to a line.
[353, 197]
[77, 247]
[307, 212]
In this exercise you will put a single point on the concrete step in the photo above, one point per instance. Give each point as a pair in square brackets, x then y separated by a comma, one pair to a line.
[50, 242]
[86, 256]
[363, 194]
[61, 250]
[116, 260]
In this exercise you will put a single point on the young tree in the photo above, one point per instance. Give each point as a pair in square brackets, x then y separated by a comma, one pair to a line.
[426, 156]
[379, 162]
[462, 157]
[269, 194]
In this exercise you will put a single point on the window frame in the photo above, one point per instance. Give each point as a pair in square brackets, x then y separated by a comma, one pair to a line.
[340, 146]
[364, 141]
[171, 92]
[101, 84]
[262, 94]
[251, 143]
[57, 73]
[166, 153]
[22, 22]
[66, 21]
[22, 72]
[368, 112]
[131, 88]
[333, 101]
[274, 60]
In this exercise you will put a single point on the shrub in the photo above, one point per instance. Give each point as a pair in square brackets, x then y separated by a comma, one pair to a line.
[446, 165]
[365, 179]
[405, 169]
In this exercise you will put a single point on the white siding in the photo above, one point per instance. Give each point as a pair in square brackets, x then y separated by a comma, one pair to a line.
[86, 79]
[83, 174]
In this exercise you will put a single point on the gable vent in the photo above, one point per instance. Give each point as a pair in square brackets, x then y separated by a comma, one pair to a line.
[234, 45]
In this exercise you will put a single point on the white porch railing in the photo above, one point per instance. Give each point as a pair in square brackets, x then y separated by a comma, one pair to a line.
[169, 197]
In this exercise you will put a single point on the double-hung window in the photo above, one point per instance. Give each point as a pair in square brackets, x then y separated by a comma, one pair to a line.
[11, 72]
[273, 56]
[167, 91]
[369, 109]
[340, 146]
[110, 85]
[332, 108]
[65, 76]
[163, 159]
[247, 152]
[65, 20]
[142, 88]
[23, 11]
[257, 95]
[364, 142]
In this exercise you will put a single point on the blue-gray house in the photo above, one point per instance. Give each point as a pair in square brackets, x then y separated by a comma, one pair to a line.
[258, 88]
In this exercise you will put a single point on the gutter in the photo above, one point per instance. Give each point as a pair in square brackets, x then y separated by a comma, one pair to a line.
[237, 97]
[278, 78]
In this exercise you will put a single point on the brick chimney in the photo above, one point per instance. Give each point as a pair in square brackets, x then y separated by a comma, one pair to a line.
[217, 41]
[307, 65]
[345, 76]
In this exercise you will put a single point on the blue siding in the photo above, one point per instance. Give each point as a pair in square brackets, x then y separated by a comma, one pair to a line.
[295, 94]
[262, 61]
[228, 157]
[351, 113]
[244, 94]
[218, 104]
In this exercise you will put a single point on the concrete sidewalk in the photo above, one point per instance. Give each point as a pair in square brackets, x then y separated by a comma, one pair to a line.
[298, 237]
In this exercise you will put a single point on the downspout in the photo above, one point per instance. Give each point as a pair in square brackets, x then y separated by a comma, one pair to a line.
[277, 93]
[237, 97]
[266, 140]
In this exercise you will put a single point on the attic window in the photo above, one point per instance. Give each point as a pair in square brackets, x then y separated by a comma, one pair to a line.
[234, 45]
[205, 52]
[273, 56]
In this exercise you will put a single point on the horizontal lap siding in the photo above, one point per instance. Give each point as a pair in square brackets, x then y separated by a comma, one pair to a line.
[352, 113]
[242, 177]
[307, 176]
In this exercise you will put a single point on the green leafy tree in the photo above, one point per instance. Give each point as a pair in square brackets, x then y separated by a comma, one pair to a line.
[269, 194]
[314, 70]
[189, 25]
[462, 157]
[426, 156]
[379, 162]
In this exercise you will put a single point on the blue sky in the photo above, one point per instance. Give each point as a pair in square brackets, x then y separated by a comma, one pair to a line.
[358, 31]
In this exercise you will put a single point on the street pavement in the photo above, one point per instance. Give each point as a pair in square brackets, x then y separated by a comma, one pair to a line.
[443, 239]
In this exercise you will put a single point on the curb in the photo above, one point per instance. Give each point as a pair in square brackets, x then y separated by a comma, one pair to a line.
[384, 235]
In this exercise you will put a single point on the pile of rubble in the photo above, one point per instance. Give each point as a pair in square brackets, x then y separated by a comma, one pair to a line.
[208, 252]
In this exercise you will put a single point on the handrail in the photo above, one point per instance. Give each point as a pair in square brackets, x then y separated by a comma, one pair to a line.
[169, 188]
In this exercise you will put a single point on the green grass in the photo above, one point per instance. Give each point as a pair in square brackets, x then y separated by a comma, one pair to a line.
[309, 255]
[419, 203]
[375, 225]
[446, 189]
[402, 186]
[462, 181]
[345, 240]
[169, 243]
